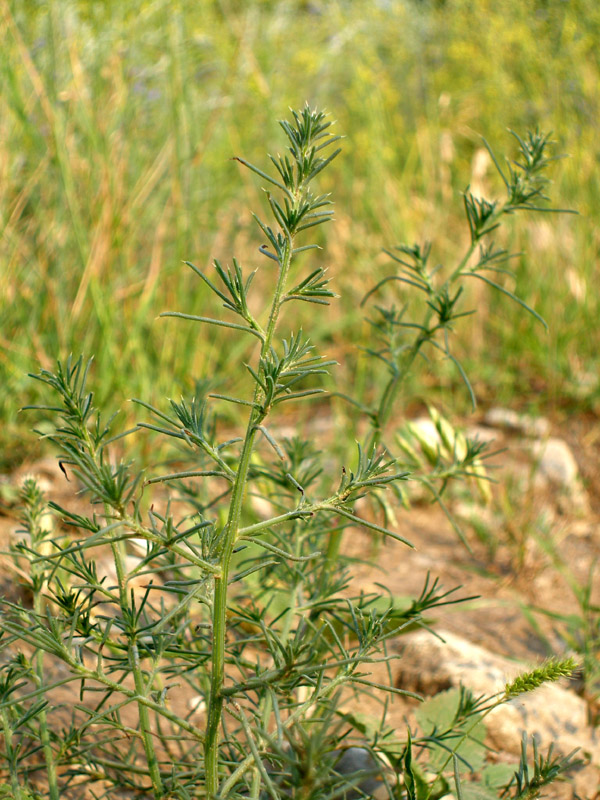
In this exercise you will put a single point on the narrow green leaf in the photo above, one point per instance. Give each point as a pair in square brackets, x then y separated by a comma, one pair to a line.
[264, 175]
[210, 321]
[508, 294]
[366, 524]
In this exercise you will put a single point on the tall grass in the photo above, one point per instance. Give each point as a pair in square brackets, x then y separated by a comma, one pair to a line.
[118, 123]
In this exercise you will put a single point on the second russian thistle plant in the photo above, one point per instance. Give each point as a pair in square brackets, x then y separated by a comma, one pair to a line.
[220, 653]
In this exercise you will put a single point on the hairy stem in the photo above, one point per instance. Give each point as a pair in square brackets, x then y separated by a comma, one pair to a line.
[44, 732]
[118, 549]
[219, 629]
[145, 727]
[10, 755]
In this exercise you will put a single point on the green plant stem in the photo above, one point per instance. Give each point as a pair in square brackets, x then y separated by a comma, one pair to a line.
[386, 404]
[119, 556]
[257, 777]
[39, 584]
[333, 548]
[388, 398]
[219, 629]
[219, 621]
[10, 755]
[145, 727]
[480, 717]
[118, 549]
[44, 733]
[295, 592]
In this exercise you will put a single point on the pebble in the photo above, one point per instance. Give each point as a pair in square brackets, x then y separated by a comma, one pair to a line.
[522, 423]
[557, 463]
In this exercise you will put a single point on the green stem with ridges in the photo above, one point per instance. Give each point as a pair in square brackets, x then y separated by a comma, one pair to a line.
[145, 726]
[10, 755]
[39, 584]
[119, 556]
[118, 549]
[43, 720]
[215, 706]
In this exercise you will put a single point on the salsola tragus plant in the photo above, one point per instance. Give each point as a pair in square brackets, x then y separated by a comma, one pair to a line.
[188, 646]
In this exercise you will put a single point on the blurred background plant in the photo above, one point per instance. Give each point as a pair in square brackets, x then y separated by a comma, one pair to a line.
[118, 123]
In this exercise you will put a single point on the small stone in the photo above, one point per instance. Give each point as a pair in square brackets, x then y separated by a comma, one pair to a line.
[502, 418]
[556, 466]
[538, 427]
[359, 759]
[556, 462]
[481, 434]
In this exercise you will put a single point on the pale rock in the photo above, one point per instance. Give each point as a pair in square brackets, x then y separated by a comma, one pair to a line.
[502, 418]
[556, 462]
[481, 433]
[553, 713]
[522, 423]
[557, 467]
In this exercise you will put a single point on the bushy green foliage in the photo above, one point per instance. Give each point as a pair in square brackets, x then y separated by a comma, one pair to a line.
[250, 615]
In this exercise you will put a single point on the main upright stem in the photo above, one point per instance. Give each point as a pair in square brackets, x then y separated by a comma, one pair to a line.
[219, 623]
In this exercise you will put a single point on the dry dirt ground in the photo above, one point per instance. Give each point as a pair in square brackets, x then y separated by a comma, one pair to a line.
[508, 567]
